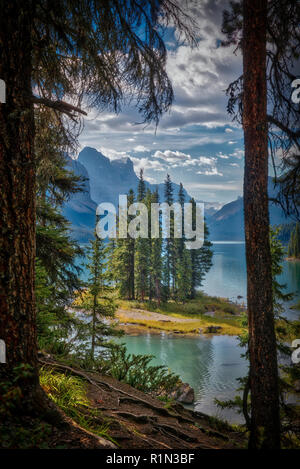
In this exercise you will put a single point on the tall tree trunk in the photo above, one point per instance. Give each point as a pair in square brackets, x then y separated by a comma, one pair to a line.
[17, 182]
[265, 423]
[17, 208]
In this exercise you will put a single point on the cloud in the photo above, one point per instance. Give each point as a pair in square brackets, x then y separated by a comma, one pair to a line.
[222, 156]
[140, 149]
[197, 138]
[172, 156]
[147, 164]
[211, 172]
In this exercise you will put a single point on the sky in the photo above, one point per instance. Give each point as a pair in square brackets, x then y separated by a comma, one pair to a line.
[196, 142]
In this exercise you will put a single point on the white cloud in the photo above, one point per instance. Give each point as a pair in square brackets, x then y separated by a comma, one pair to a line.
[222, 156]
[141, 148]
[238, 153]
[170, 155]
[147, 164]
[211, 172]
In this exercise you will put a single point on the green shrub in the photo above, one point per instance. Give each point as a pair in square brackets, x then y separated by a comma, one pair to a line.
[137, 371]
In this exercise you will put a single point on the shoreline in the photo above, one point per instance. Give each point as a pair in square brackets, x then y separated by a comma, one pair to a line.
[292, 259]
[140, 321]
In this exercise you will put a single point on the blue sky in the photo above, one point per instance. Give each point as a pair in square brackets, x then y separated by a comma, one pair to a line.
[196, 142]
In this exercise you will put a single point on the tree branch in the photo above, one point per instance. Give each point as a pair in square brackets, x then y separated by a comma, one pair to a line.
[60, 106]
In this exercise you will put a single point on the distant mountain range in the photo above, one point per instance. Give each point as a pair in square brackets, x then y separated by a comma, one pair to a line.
[105, 179]
[227, 224]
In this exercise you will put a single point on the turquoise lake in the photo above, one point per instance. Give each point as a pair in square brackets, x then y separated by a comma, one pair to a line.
[211, 365]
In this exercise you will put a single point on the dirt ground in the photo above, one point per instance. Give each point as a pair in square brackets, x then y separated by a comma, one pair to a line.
[136, 420]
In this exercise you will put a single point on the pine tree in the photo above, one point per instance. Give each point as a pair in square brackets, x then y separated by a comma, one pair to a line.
[294, 243]
[141, 192]
[169, 248]
[60, 52]
[122, 258]
[265, 422]
[201, 259]
[142, 250]
[183, 276]
[156, 258]
[98, 304]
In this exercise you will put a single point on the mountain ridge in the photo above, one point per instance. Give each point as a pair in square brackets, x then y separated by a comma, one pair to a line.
[105, 179]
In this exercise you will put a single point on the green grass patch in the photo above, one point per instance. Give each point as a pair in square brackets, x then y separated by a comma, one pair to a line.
[70, 394]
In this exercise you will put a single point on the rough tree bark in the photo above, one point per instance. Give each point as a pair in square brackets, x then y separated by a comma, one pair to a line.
[17, 205]
[265, 423]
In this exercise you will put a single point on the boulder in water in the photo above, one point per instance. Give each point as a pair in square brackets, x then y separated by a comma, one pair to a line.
[184, 393]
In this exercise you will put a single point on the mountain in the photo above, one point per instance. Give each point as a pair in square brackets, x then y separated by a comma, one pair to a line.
[80, 210]
[227, 224]
[105, 179]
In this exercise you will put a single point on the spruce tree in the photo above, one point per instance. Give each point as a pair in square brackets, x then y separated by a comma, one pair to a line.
[201, 259]
[122, 259]
[156, 261]
[142, 250]
[169, 247]
[294, 243]
[63, 50]
[99, 304]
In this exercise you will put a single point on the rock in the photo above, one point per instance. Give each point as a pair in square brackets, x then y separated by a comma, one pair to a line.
[184, 393]
[213, 329]
[200, 331]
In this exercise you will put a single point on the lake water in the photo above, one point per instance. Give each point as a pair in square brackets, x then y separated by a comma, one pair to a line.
[211, 365]
[227, 277]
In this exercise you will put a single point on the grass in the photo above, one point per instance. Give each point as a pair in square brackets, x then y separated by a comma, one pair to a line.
[184, 327]
[194, 309]
[70, 394]
[226, 314]
[191, 309]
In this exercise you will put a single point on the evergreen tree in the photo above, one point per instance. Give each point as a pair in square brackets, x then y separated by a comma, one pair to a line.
[141, 193]
[294, 243]
[122, 259]
[265, 422]
[183, 276]
[142, 249]
[156, 258]
[63, 50]
[201, 259]
[57, 252]
[169, 248]
[98, 304]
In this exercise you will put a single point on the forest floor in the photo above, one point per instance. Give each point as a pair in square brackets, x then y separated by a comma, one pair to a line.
[135, 420]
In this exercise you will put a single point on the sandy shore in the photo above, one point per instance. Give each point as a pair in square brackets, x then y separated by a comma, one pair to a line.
[140, 314]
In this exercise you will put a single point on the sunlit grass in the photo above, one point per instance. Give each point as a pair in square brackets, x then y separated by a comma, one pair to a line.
[70, 394]
[184, 327]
